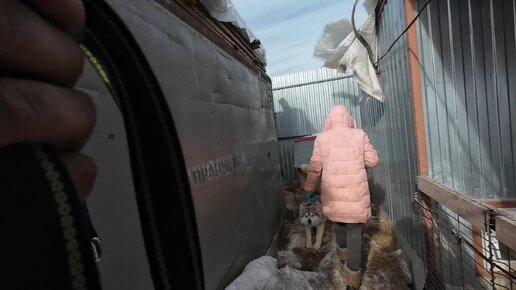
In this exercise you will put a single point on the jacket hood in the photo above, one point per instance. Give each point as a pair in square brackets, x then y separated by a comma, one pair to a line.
[339, 117]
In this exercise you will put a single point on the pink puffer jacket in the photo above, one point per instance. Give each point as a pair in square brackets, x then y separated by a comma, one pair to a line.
[341, 153]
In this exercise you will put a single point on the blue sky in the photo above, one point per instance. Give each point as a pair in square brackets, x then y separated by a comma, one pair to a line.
[290, 29]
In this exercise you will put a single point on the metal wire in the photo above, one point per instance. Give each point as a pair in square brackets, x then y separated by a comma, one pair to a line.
[404, 31]
[361, 39]
[460, 260]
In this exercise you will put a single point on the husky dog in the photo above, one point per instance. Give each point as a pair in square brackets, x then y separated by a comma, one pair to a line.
[311, 216]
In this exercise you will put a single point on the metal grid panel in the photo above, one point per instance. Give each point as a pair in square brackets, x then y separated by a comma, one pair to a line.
[465, 256]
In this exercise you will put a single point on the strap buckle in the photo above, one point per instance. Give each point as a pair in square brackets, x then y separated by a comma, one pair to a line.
[97, 249]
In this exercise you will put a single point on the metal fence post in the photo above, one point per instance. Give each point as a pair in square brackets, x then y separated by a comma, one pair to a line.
[488, 226]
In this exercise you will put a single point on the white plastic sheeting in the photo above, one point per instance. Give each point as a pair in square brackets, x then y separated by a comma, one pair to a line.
[333, 34]
[349, 53]
[225, 11]
[370, 6]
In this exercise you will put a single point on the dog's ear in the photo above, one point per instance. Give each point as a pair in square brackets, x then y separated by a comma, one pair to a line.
[319, 210]
[305, 168]
[302, 210]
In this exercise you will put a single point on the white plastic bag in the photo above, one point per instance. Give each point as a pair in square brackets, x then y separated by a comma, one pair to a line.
[351, 54]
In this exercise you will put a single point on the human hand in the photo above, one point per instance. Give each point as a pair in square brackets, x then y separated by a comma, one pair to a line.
[40, 60]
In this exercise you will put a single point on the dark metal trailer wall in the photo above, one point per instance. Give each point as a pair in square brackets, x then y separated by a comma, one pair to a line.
[222, 109]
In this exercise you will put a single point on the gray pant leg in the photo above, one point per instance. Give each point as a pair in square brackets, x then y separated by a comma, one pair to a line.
[354, 241]
[340, 235]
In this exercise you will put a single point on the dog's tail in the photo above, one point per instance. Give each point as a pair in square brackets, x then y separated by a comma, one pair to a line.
[305, 168]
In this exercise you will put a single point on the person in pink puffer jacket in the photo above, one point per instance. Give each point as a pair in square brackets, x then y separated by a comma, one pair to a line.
[340, 156]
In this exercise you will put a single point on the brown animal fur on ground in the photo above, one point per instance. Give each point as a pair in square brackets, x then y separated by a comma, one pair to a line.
[382, 259]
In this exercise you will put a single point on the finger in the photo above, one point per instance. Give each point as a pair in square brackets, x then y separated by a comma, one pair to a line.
[82, 170]
[67, 15]
[32, 111]
[32, 47]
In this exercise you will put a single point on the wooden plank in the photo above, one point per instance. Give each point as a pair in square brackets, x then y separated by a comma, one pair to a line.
[418, 118]
[506, 231]
[199, 19]
[467, 208]
[428, 224]
[500, 203]
[479, 261]
[189, 2]
[416, 92]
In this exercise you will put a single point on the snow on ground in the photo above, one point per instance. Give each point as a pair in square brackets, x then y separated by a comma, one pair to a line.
[263, 273]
